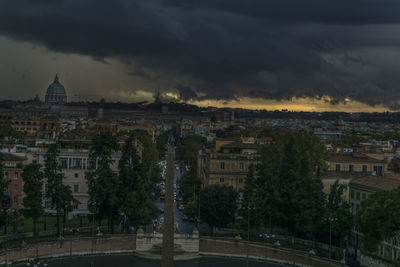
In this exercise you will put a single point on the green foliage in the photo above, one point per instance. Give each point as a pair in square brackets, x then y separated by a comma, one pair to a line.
[187, 152]
[59, 195]
[103, 182]
[339, 213]
[288, 191]
[218, 205]
[135, 199]
[8, 131]
[379, 217]
[188, 148]
[150, 151]
[350, 140]
[162, 140]
[4, 198]
[190, 185]
[33, 184]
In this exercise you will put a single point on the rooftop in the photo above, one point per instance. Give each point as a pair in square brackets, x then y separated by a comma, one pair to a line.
[12, 157]
[377, 183]
[354, 157]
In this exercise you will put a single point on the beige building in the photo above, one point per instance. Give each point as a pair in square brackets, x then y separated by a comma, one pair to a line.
[228, 165]
[361, 188]
[348, 166]
[356, 162]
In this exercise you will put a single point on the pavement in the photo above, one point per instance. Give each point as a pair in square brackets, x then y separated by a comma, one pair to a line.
[184, 226]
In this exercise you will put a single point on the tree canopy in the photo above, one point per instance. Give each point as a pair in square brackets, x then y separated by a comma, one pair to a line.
[33, 186]
[379, 217]
[218, 205]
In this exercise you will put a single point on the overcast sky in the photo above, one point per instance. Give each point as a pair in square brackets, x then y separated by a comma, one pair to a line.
[270, 52]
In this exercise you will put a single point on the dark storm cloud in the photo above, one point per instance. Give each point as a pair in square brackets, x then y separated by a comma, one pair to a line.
[227, 49]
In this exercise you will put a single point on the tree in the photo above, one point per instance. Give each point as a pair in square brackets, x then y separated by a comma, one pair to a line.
[288, 188]
[103, 182]
[218, 205]
[379, 217]
[58, 194]
[8, 131]
[187, 151]
[339, 212]
[135, 198]
[4, 197]
[150, 152]
[33, 185]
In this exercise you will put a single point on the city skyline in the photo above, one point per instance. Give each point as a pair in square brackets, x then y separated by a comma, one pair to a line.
[260, 55]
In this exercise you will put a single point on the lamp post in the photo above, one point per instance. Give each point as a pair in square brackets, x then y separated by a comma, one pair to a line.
[5, 237]
[248, 234]
[330, 219]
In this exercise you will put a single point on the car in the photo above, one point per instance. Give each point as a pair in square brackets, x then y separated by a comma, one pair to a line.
[191, 219]
[181, 207]
[184, 218]
[161, 210]
[161, 219]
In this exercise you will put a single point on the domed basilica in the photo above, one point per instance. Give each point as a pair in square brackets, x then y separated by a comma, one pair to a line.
[55, 94]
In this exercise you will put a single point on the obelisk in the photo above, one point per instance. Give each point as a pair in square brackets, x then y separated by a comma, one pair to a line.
[167, 259]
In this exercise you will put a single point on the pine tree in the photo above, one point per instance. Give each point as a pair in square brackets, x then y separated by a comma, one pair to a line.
[133, 192]
[4, 197]
[33, 186]
[103, 182]
[58, 194]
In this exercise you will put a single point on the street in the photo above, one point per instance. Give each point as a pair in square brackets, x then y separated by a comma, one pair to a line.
[184, 226]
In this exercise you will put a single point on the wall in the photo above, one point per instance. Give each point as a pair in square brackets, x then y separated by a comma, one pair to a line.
[68, 247]
[240, 249]
[152, 242]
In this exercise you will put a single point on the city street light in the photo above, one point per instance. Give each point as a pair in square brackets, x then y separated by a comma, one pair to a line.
[330, 219]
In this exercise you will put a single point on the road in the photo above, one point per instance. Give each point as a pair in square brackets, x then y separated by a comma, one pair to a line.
[184, 226]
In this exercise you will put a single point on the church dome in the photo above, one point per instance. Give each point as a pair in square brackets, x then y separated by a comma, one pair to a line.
[56, 93]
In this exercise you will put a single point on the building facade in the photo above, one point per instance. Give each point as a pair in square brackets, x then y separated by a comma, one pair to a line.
[229, 166]
[12, 171]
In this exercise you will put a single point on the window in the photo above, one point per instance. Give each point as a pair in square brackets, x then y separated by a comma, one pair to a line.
[351, 168]
[15, 175]
[76, 175]
[6, 175]
[378, 169]
[358, 196]
[338, 167]
[364, 168]
[222, 165]
[64, 163]
[364, 196]
[241, 166]
[77, 164]
[76, 188]
[357, 207]
[240, 180]
[75, 206]
[16, 200]
[352, 194]
[15, 188]
[221, 180]
[46, 187]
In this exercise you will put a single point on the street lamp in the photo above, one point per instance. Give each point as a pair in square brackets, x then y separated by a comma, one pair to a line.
[330, 219]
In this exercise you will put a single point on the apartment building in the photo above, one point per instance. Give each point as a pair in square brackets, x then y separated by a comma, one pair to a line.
[12, 171]
[228, 164]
